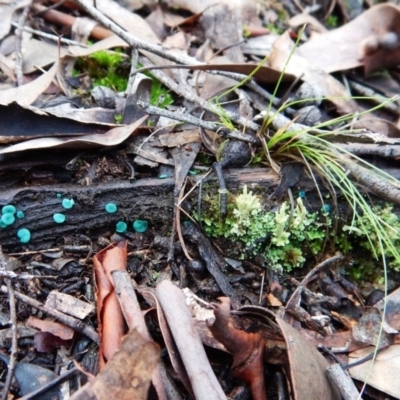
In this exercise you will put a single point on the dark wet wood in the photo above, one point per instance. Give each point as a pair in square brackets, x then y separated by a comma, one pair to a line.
[149, 199]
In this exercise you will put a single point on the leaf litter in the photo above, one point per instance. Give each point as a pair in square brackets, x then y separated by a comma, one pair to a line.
[188, 74]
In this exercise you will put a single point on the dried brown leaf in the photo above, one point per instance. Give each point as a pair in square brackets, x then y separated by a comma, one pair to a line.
[371, 40]
[109, 314]
[296, 64]
[113, 137]
[306, 365]
[62, 331]
[247, 349]
[26, 94]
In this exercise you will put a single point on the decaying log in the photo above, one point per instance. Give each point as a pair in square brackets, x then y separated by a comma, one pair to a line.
[148, 199]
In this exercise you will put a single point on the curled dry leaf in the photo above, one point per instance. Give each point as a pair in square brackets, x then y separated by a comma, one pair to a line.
[127, 375]
[26, 94]
[247, 349]
[109, 314]
[310, 72]
[371, 40]
[62, 331]
[381, 373]
[7, 9]
[113, 137]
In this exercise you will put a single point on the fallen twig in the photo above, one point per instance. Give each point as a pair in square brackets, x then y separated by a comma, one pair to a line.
[32, 395]
[160, 51]
[65, 319]
[14, 337]
[203, 380]
[186, 117]
[191, 96]
[18, 45]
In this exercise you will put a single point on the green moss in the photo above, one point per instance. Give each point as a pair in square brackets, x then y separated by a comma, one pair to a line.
[363, 233]
[286, 237]
[332, 21]
[105, 69]
[160, 96]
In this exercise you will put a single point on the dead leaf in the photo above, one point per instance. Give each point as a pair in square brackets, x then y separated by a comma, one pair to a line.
[109, 314]
[371, 40]
[62, 331]
[177, 139]
[113, 137]
[368, 329]
[46, 342]
[26, 94]
[264, 74]
[247, 349]
[382, 373]
[306, 365]
[309, 72]
[392, 315]
[7, 9]
[23, 123]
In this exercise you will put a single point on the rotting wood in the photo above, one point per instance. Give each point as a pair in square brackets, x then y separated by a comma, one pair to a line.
[149, 199]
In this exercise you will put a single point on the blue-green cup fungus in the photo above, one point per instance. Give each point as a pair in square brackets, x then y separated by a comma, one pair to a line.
[8, 219]
[2, 224]
[24, 235]
[58, 195]
[111, 208]
[20, 214]
[121, 227]
[140, 226]
[9, 209]
[68, 203]
[59, 218]
[326, 208]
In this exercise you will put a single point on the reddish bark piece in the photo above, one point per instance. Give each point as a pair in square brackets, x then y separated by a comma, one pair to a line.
[127, 375]
[55, 328]
[247, 349]
[109, 314]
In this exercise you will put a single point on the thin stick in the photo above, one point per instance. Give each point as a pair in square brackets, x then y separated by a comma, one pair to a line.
[186, 117]
[160, 51]
[13, 320]
[18, 46]
[178, 222]
[49, 385]
[191, 96]
[64, 318]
